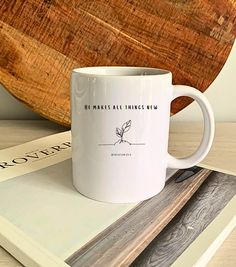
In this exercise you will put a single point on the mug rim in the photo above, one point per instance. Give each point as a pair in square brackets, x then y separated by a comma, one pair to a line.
[95, 71]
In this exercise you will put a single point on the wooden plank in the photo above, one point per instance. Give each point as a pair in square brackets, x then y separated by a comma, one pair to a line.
[185, 137]
[15, 132]
[42, 40]
[24, 58]
[141, 225]
[200, 210]
[203, 248]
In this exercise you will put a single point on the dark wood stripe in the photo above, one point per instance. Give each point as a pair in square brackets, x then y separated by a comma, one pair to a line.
[200, 210]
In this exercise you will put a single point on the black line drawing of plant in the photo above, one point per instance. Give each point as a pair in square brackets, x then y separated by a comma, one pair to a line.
[120, 132]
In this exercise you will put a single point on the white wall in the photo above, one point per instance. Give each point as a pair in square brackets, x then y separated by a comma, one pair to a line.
[221, 94]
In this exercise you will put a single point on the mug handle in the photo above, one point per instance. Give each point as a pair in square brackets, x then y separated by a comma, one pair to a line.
[208, 134]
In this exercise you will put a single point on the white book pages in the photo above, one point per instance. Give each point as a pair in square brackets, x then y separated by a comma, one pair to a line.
[38, 199]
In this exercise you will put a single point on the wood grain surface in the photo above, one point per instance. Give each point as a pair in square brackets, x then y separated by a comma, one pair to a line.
[121, 243]
[199, 211]
[41, 41]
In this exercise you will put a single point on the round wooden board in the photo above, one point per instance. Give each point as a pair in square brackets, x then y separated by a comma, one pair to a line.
[41, 41]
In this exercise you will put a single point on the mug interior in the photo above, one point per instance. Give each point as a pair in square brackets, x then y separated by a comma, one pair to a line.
[120, 71]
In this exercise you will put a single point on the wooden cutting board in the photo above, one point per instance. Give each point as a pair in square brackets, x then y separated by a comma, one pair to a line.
[41, 41]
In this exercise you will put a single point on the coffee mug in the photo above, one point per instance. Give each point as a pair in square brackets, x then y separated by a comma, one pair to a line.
[120, 127]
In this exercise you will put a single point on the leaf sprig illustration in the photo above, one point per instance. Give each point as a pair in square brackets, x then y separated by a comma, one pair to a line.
[120, 132]
[126, 126]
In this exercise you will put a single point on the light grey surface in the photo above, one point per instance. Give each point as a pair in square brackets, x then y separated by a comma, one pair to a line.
[221, 94]
[11, 108]
[51, 212]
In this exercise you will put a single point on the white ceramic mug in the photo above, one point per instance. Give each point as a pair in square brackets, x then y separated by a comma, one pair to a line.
[120, 128]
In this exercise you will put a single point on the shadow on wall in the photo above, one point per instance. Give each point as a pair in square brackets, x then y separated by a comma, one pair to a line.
[221, 95]
[11, 108]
